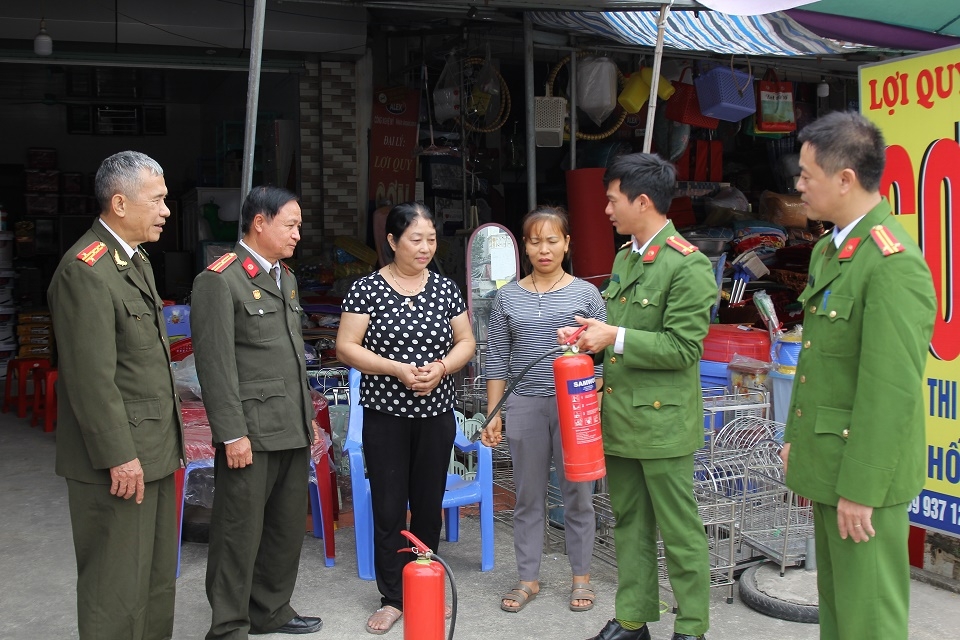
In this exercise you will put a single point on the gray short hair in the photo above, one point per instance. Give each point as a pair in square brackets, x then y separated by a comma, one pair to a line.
[120, 173]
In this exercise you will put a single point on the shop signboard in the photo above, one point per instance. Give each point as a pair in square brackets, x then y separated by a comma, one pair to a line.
[915, 100]
[393, 141]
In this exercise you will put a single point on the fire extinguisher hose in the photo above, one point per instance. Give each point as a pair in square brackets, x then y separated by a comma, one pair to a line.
[513, 384]
[453, 592]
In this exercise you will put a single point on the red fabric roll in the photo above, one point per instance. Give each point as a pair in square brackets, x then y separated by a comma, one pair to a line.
[591, 233]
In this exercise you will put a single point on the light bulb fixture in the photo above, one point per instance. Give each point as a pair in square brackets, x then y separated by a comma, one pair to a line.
[43, 43]
[823, 89]
[472, 13]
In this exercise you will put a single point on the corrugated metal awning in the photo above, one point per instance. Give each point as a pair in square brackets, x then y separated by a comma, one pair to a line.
[772, 34]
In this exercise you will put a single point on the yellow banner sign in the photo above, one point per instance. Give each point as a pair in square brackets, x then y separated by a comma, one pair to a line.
[915, 100]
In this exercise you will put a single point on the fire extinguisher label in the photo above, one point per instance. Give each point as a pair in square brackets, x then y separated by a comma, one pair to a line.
[585, 411]
[581, 386]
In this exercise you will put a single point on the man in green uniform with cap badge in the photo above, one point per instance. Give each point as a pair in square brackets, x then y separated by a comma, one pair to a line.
[658, 310]
[855, 431]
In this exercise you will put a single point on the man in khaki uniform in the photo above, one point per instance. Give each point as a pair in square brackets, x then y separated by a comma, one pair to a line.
[249, 353]
[855, 432]
[119, 435]
[658, 310]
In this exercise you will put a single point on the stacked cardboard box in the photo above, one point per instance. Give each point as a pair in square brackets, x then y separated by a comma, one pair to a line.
[35, 334]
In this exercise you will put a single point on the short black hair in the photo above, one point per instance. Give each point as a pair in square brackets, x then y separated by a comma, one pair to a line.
[846, 140]
[401, 217]
[644, 173]
[266, 200]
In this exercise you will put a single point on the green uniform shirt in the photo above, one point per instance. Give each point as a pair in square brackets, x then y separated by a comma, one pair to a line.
[856, 421]
[652, 404]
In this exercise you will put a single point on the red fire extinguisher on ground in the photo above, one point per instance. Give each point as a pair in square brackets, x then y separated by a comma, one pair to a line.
[579, 413]
[423, 603]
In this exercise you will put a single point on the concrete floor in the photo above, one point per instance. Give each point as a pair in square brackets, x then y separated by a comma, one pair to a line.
[38, 574]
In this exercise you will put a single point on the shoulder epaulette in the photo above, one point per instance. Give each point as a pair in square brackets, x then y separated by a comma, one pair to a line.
[286, 267]
[885, 240]
[681, 245]
[92, 252]
[221, 263]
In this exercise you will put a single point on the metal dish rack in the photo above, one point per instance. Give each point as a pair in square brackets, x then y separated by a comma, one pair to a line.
[504, 491]
[719, 515]
[773, 519]
[742, 501]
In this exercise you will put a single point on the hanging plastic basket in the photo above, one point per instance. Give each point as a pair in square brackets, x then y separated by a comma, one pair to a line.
[685, 107]
[726, 93]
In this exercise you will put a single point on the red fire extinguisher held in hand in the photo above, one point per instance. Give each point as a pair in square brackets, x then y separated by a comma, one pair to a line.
[423, 603]
[579, 414]
[578, 408]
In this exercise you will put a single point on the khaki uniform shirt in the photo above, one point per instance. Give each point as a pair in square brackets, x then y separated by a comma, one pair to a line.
[248, 347]
[115, 392]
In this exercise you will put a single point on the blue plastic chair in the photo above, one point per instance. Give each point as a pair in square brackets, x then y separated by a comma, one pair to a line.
[177, 318]
[459, 491]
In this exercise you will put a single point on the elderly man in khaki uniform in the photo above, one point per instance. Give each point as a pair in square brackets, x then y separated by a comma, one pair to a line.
[119, 435]
[248, 347]
[855, 432]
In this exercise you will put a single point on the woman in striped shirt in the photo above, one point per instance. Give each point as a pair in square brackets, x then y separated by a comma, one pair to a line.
[523, 324]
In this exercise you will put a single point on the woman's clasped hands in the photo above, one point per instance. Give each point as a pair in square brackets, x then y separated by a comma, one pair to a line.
[421, 380]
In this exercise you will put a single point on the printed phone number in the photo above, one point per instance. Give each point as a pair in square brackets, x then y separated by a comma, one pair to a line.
[935, 510]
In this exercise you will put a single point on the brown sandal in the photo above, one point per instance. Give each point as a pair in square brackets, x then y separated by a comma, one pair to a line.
[582, 591]
[521, 594]
[388, 615]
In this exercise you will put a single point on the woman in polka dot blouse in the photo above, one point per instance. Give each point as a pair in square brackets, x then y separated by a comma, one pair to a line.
[406, 330]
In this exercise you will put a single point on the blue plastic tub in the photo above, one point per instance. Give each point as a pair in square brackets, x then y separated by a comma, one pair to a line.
[781, 385]
[713, 374]
[713, 380]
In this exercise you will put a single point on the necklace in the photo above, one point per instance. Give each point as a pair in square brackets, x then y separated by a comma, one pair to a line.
[409, 292]
[533, 280]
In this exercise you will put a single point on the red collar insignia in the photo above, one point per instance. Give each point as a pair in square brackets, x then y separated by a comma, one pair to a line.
[250, 266]
[651, 254]
[849, 248]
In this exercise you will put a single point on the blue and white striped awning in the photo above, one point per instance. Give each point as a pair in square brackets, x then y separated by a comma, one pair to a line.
[772, 34]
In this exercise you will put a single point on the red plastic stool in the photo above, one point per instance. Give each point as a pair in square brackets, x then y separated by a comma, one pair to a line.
[44, 398]
[21, 367]
[324, 507]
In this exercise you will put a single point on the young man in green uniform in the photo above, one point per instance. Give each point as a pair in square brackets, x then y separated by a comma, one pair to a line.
[658, 306]
[855, 437]
[249, 353]
[119, 435]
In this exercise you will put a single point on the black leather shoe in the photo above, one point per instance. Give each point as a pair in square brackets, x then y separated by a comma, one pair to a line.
[613, 631]
[299, 624]
[683, 636]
